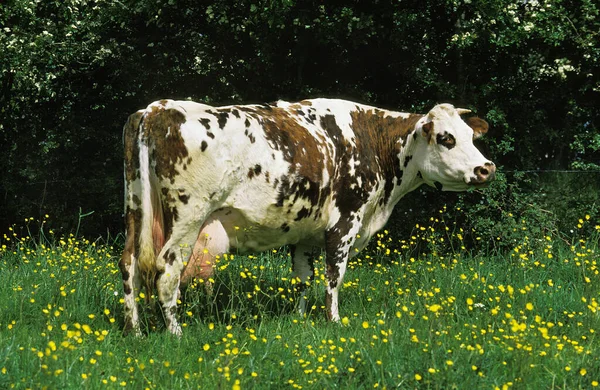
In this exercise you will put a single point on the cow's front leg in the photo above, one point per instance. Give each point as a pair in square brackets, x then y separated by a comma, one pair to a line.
[303, 270]
[339, 241]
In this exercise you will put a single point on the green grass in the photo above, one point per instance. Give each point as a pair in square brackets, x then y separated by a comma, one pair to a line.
[444, 319]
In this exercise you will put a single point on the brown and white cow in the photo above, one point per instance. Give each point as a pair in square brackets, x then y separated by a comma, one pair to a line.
[316, 174]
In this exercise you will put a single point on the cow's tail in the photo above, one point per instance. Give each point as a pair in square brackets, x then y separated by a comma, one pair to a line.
[151, 239]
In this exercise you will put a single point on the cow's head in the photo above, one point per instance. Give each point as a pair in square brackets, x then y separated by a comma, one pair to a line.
[445, 155]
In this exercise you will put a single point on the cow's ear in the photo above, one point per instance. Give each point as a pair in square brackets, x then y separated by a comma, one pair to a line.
[428, 130]
[479, 126]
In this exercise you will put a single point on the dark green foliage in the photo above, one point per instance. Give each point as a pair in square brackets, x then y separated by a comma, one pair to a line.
[72, 71]
[559, 205]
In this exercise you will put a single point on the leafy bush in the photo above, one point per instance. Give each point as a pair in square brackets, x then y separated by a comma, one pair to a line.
[516, 207]
[72, 71]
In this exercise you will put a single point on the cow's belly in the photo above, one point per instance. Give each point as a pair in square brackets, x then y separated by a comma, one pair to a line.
[249, 235]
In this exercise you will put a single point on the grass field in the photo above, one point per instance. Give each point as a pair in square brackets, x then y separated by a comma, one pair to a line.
[441, 319]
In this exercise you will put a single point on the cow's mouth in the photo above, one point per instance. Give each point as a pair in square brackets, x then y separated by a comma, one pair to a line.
[474, 182]
[465, 185]
[480, 185]
[453, 187]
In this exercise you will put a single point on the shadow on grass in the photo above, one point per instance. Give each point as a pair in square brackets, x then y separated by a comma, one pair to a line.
[240, 300]
[231, 301]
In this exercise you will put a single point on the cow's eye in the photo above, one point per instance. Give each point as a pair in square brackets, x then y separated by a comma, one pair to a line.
[446, 140]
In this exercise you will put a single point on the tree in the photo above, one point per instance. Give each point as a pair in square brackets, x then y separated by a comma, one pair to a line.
[72, 71]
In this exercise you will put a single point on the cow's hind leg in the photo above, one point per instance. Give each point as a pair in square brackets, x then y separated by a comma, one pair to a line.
[169, 264]
[338, 243]
[303, 270]
[212, 241]
[131, 276]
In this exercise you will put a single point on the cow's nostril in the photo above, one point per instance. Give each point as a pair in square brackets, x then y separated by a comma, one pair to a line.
[482, 173]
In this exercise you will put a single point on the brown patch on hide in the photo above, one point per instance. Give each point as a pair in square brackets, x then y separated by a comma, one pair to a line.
[162, 130]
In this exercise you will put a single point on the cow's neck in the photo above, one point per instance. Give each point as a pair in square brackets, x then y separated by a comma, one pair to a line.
[383, 137]
[411, 177]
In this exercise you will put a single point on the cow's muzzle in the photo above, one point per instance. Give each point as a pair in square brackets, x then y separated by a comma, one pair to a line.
[484, 174]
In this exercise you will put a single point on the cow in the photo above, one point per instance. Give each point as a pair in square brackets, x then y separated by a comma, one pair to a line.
[201, 181]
